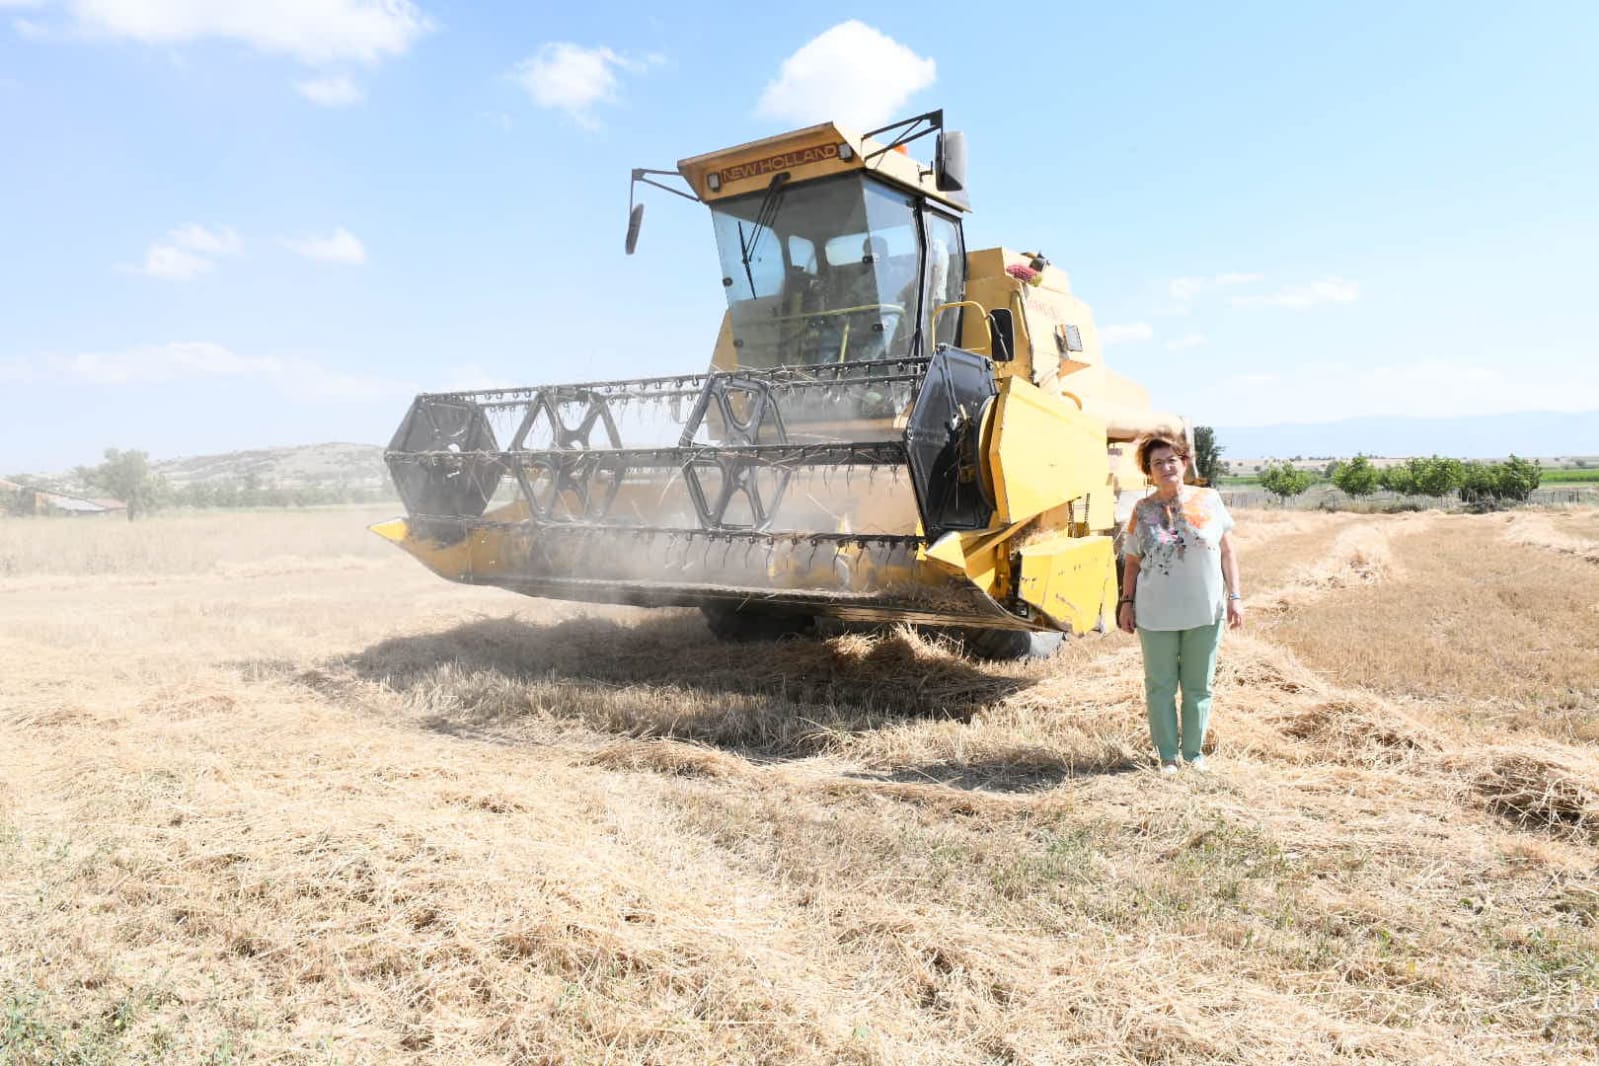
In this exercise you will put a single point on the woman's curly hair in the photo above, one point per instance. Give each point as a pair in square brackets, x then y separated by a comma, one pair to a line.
[1179, 448]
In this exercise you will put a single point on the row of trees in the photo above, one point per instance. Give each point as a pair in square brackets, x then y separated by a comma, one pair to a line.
[249, 492]
[1511, 481]
[128, 476]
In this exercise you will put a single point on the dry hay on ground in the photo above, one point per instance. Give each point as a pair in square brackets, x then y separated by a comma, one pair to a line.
[1359, 554]
[1489, 633]
[1361, 728]
[1539, 787]
[668, 757]
[1555, 532]
[305, 813]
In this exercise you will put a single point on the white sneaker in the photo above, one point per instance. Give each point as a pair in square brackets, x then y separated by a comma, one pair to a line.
[1168, 768]
[1199, 765]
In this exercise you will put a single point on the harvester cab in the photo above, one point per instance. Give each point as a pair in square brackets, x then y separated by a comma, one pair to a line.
[892, 428]
[833, 248]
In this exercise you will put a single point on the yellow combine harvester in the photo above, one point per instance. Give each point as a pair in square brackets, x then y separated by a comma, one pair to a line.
[892, 428]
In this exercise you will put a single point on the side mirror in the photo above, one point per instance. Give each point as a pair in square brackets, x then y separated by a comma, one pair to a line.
[951, 161]
[635, 221]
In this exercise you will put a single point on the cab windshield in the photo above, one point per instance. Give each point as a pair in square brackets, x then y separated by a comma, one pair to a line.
[823, 272]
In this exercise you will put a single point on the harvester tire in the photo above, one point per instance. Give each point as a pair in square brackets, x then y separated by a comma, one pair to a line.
[1005, 645]
[748, 625]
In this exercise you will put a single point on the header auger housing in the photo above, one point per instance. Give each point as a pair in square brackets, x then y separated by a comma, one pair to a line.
[892, 428]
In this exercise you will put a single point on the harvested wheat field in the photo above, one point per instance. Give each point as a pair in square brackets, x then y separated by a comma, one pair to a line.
[271, 793]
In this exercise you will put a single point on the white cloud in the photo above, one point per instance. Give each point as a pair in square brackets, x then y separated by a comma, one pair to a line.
[301, 378]
[163, 362]
[16, 370]
[26, 28]
[315, 32]
[1299, 297]
[1123, 334]
[337, 90]
[340, 246]
[851, 73]
[196, 238]
[189, 251]
[570, 78]
[174, 264]
[1191, 340]
[1183, 290]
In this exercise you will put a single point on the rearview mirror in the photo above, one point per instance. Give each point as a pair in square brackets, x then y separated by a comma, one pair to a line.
[635, 220]
[951, 161]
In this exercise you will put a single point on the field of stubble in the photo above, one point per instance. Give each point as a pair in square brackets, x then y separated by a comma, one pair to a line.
[271, 793]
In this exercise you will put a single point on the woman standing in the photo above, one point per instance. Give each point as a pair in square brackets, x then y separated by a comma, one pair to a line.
[1179, 583]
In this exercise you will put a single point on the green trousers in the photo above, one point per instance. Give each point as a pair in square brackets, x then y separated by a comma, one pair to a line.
[1184, 658]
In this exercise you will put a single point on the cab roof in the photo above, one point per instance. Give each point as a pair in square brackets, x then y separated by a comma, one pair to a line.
[819, 151]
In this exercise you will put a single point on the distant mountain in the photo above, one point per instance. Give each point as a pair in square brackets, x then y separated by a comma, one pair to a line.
[1544, 434]
[355, 466]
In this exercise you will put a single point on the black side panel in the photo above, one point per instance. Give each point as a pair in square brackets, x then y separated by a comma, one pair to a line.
[943, 440]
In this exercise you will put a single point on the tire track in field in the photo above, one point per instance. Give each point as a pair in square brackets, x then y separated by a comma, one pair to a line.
[1539, 531]
[1361, 554]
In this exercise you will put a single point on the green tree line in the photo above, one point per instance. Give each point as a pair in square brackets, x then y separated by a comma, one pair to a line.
[126, 475]
[1510, 481]
[249, 492]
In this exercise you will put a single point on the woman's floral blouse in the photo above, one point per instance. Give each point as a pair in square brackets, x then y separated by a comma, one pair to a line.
[1178, 545]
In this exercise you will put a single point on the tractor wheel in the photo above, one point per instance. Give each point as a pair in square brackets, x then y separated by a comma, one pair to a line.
[1005, 645]
[745, 625]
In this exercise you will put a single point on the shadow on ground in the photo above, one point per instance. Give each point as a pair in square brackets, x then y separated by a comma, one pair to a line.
[1024, 769]
[665, 676]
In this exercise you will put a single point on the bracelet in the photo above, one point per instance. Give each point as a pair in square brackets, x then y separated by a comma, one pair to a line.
[1127, 599]
[1234, 596]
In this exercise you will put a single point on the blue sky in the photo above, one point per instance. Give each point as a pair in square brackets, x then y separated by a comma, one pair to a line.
[235, 223]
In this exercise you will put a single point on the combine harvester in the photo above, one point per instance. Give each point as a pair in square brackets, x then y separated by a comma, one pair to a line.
[892, 428]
